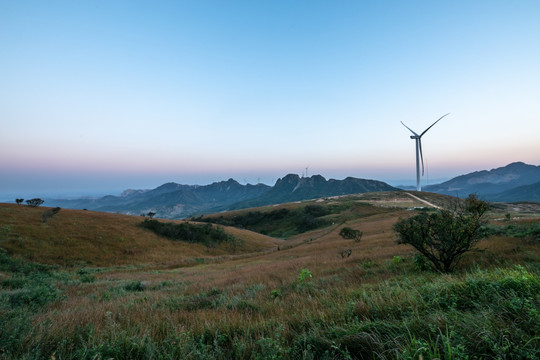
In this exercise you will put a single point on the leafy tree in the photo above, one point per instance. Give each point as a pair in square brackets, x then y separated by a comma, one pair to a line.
[34, 202]
[151, 214]
[443, 237]
[19, 201]
[349, 233]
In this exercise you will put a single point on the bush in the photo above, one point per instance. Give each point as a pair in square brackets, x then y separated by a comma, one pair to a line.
[49, 214]
[304, 276]
[135, 285]
[200, 234]
[316, 210]
[278, 222]
[349, 233]
[443, 237]
[531, 230]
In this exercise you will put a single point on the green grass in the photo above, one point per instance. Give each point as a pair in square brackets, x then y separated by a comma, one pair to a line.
[480, 313]
[302, 302]
[529, 229]
[205, 234]
[289, 221]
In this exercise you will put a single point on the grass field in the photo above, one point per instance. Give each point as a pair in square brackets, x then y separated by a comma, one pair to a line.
[88, 285]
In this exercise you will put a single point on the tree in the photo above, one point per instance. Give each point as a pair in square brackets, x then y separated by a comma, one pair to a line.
[443, 237]
[349, 233]
[34, 202]
[19, 201]
[151, 214]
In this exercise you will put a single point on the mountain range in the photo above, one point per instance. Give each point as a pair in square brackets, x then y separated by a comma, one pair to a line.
[175, 201]
[516, 182]
[512, 183]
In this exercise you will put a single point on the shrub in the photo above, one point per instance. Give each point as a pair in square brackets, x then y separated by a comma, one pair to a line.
[443, 237]
[420, 263]
[349, 233]
[87, 278]
[275, 293]
[49, 214]
[277, 222]
[304, 276]
[135, 285]
[33, 295]
[205, 234]
[316, 210]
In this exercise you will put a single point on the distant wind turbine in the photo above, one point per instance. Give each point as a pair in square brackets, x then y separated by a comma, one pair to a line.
[419, 156]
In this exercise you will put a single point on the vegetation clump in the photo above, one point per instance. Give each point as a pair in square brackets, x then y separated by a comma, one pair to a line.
[34, 202]
[204, 234]
[443, 237]
[278, 222]
[49, 214]
[515, 230]
[349, 233]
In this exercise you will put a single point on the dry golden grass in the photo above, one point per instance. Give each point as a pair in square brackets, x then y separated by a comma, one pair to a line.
[78, 237]
[192, 289]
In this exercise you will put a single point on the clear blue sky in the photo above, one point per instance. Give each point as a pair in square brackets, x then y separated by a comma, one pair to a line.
[100, 96]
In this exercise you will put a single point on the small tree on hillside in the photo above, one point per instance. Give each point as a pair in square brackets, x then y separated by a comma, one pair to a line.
[34, 202]
[443, 237]
[349, 233]
[19, 201]
[151, 214]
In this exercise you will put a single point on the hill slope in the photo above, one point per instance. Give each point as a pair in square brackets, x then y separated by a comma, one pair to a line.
[319, 297]
[102, 239]
[517, 194]
[486, 183]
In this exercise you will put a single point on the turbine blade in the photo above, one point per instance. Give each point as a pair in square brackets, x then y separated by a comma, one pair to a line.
[433, 124]
[421, 155]
[409, 128]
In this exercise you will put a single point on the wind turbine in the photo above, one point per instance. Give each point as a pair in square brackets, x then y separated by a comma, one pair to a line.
[419, 156]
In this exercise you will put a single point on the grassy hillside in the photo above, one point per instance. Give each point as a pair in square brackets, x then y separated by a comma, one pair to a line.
[273, 299]
[80, 238]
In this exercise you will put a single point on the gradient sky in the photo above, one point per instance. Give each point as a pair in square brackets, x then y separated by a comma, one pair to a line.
[104, 95]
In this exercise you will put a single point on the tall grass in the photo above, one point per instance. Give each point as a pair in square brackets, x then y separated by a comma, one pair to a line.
[303, 302]
[477, 314]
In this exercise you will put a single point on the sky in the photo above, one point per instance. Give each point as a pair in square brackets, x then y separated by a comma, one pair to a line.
[101, 96]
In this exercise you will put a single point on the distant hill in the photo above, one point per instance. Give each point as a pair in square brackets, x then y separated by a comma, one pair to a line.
[295, 188]
[519, 194]
[171, 200]
[492, 184]
[175, 201]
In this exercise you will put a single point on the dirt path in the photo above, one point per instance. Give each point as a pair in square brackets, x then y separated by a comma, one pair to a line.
[423, 201]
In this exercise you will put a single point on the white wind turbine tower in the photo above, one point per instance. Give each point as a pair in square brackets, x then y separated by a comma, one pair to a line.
[419, 156]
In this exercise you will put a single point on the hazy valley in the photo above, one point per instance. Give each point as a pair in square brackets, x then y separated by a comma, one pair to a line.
[516, 182]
